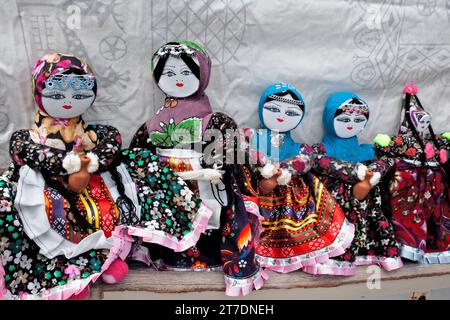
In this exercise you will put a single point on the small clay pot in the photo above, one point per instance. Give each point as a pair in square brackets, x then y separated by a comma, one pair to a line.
[79, 181]
[267, 186]
[362, 188]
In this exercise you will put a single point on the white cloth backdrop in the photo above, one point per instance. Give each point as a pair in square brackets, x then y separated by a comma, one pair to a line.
[320, 46]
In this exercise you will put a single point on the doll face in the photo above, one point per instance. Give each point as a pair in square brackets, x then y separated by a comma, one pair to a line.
[421, 120]
[68, 99]
[282, 116]
[177, 80]
[349, 124]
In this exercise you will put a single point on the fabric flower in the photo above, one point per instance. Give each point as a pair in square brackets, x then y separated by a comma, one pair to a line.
[72, 271]
[383, 224]
[392, 251]
[324, 162]
[411, 152]
[198, 265]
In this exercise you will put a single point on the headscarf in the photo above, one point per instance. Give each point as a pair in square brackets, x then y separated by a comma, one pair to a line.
[340, 148]
[65, 134]
[178, 113]
[278, 146]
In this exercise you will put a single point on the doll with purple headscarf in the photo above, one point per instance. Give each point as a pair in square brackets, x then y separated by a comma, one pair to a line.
[196, 142]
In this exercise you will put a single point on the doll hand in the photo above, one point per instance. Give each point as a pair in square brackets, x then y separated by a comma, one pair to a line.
[72, 163]
[362, 188]
[268, 170]
[266, 186]
[284, 178]
[79, 181]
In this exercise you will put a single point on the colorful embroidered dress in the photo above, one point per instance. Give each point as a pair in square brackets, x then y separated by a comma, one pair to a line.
[341, 162]
[419, 193]
[56, 240]
[181, 133]
[303, 224]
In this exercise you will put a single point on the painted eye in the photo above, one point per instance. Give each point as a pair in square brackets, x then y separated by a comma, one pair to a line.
[186, 73]
[292, 114]
[55, 96]
[272, 108]
[345, 120]
[81, 96]
[359, 120]
[169, 74]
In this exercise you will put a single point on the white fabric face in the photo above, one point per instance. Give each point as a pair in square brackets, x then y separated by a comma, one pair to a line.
[67, 103]
[347, 125]
[177, 80]
[421, 120]
[281, 116]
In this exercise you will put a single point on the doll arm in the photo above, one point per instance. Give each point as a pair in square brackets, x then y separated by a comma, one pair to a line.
[141, 139]
[231, 147]
[55, 161]
[345, 171]
[300, 164]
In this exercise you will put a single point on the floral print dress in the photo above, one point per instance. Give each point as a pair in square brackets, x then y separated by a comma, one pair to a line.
[374, 241]
[229, 248]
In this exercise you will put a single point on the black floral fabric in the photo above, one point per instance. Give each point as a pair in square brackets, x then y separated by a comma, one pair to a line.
[374, 232]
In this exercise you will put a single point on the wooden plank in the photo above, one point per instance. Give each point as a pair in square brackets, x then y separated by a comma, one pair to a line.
[147, 280]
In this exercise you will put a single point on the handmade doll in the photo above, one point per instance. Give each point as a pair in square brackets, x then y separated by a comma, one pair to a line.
[69, 189]
[419, 195]
[183, 131]
[303, 225]
[341, 163]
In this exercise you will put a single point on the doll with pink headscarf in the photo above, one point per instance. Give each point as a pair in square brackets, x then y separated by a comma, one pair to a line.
[72, 194]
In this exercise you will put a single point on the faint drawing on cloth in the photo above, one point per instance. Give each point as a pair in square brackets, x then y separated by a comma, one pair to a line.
[398, 46]
[217, 24]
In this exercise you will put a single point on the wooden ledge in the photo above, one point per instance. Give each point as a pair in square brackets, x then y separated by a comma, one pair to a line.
[200, 283]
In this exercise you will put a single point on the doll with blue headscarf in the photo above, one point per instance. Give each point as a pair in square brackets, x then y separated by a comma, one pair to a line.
[302, 223]
[342, 163]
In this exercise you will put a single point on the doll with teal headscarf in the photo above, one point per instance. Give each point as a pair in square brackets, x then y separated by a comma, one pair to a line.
[342, 162]
[302, 223]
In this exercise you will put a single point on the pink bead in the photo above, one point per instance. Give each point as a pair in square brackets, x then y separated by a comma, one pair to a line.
[443, 156]
[429, 151]
[410, 89]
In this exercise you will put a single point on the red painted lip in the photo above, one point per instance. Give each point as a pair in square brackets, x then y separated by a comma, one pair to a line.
[280, 120]
[67, 107]
[180, 85]
[350, 128]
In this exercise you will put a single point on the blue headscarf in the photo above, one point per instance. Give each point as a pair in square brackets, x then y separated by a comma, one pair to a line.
[340, 148]
[289, 148]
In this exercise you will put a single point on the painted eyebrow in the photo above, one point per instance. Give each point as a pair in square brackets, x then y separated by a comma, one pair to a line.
[271, 102]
